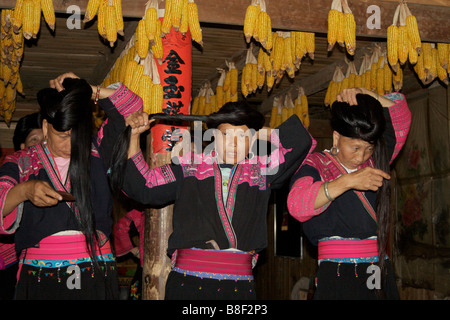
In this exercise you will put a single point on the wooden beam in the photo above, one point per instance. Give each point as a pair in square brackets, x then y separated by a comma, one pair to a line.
[432, 16]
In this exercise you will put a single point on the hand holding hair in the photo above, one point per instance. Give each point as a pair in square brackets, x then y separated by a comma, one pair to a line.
[57, 83]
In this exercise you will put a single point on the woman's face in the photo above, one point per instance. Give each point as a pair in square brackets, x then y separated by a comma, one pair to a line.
[58, 142]
[34, 137]
[352, 152]
[232, 143]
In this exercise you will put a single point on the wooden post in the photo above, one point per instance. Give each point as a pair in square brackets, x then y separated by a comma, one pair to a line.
[175, 72]
[158, 227]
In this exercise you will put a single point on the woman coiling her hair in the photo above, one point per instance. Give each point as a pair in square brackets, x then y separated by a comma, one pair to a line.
[220, 199]
[55, 196]
[342, 195]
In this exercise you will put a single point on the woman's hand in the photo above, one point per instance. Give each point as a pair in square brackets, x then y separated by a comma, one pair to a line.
[349, 96]
[139, 122]
[366, 179]
[57, 83]
[41, 194]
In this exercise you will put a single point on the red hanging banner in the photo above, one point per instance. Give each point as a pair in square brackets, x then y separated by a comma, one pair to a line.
[175, 73]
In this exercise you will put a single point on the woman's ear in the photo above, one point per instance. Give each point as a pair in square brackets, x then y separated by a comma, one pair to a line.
[336, 137]
[45, 128]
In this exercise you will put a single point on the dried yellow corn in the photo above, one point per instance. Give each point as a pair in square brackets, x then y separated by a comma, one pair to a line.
[349, 33]
[443, 54]
[251, 16]
[194, 24]
[137, 75]
[91, 10]
[150, 23]
[131, 66]
[177, 10]
[141, 41]
[167, 21]
[194, 105]
[27, 18]
[413, 33]
[277, 55]
[333, 27]
[261, 22]
[36, 17]
[233, 81]
[101, 23]
[110, 24]
[398, 78]
[412, 53]
[427, 56]
[402, 44]
[419, 68]
[380, 81]
[157, 98]
[145, 92]
[18, 13]
[392, 45]
[184, 24]
[434, 58]
[310, 44]
[117, 4]
[340, 32]
[387, 84]
[157, 47]
[219, 96]
[49, 13]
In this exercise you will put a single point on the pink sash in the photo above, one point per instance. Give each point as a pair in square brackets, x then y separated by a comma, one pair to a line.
[344, 249]
[64, 247]
[212, 261]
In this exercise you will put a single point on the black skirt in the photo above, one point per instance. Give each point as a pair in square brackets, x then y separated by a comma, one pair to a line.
[350, 281]
[82, 282]
[186, 287]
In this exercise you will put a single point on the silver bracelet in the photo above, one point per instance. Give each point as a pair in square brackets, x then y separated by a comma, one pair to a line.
[327, 194]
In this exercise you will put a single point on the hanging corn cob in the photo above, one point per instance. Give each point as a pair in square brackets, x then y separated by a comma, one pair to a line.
[341, 26]
[334, 16]
[251, 16]
[249, 73]
[413, 30]
[109, 18]
[220, 89]
[392, 40]
[403, 40]
[301, 107]
[11, 44]
[276, 117]
[349, 28]
[257, 24]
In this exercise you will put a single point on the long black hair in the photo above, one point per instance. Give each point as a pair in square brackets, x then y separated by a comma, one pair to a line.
[71, 109]
[235, 113]
[24, 126]
[366, 121]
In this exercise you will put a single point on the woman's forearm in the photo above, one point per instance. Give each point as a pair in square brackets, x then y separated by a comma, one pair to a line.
[15, 196]
[333, 188]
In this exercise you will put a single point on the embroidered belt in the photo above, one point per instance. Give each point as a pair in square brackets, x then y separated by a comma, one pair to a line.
[64, 249]
[331, 249]
[213, 264]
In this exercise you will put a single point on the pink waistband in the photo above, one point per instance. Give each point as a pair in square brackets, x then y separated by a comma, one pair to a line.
[211, 261]
[63, 247]
[341, 249]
